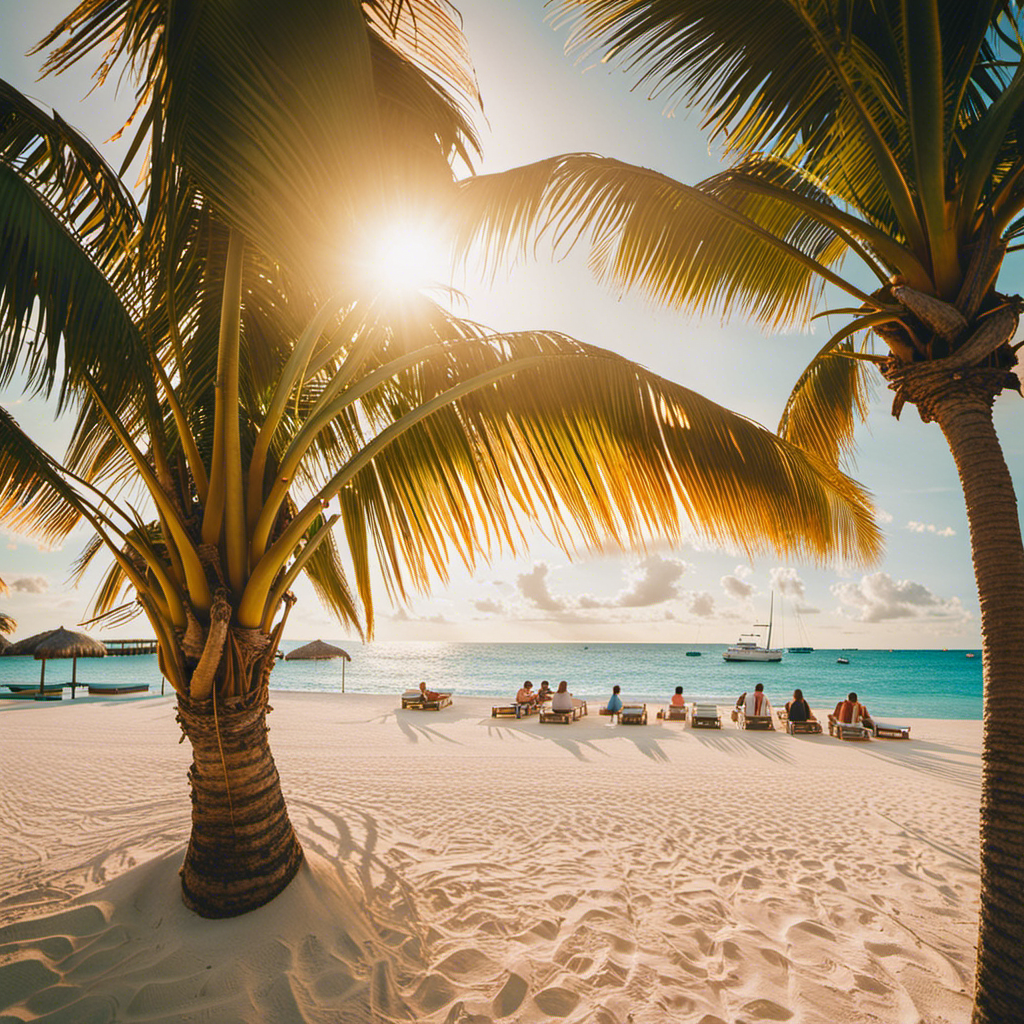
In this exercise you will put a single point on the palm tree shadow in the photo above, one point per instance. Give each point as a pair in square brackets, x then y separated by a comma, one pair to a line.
[939, 760]
[733, 742]
[414, 732]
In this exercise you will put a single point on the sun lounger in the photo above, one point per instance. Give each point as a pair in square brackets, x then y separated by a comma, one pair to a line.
[745, 721]
[705, 716]
[512, 710]
[633, 714]
[847, 731]
[30, 691]
[812, 727]
[890, 731]
[674, 713]
[412, 700]
[108, 689]
[579, 709]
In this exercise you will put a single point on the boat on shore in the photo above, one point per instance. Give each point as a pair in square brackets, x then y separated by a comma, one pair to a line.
[749, 649]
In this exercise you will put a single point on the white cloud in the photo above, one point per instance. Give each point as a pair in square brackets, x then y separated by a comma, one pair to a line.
[787, 582]
[882, 516]
[701, 604]
[655, 583]
[880, 598]
[736, 587]
[534, 587]
[490, 607]
[939, 531]
[30, 584]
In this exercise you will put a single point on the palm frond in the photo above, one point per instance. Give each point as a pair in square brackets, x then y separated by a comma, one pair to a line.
[704, 247]
[831, 395]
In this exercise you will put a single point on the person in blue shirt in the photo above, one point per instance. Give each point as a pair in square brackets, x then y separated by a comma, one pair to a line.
[615, 704]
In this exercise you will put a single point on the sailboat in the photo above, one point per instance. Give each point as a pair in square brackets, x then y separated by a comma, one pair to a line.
[749, 650]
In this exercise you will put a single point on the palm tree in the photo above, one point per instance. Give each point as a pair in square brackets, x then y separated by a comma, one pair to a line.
[7, 624]
[240, 390]
[885, 132]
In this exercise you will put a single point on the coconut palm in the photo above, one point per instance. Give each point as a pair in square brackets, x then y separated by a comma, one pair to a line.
[240, 390]
[880, 133]
[7, 624]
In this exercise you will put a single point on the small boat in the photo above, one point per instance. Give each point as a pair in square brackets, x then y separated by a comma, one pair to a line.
[693, 654]
[842, 661]
[750, 650]
[970, 654]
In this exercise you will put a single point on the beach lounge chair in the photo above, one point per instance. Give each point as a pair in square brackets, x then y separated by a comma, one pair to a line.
[793, 728]
[847, 730]
[30, 691]
[674, 713]
[890, 731]
[705, 716]
[412, 700]
[513, 710]
[745, 721]
[633, 714]
[112, 689]
[579, 709]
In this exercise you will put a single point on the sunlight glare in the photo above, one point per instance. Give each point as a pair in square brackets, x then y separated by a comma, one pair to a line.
[405, 258]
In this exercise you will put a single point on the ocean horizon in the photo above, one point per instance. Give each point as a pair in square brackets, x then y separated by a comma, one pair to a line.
[911, 683]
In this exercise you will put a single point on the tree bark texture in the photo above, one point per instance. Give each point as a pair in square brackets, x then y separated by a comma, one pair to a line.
[962, 406]
[243, 851]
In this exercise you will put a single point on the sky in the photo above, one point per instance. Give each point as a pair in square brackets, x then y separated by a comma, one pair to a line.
[537, 103]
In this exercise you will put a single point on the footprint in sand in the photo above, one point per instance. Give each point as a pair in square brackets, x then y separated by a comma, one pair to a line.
[556, 1002]
[511, 996]
[765, 1009]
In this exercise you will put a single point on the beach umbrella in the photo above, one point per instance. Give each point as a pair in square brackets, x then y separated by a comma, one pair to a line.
[320, 651]
[63, 643]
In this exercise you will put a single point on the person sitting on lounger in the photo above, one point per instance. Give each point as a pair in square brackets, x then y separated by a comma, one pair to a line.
[562, 700]
[852, 712]
[615, 703]
[755, 703]
[430, 694]
[526, 694]
[544, 693]
[798, 710]
[677, 698]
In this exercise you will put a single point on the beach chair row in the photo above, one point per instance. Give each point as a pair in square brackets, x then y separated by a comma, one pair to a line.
[700, 716]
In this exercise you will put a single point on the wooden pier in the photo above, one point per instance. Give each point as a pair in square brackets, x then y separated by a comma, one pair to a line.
[121, 648]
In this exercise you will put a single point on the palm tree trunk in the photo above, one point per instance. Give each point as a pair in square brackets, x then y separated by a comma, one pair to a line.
[965, 416]
[243, 851]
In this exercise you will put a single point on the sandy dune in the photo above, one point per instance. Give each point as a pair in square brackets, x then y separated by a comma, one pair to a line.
[466, 870]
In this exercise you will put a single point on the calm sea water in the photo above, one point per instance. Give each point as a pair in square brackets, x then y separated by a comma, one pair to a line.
[915, 684]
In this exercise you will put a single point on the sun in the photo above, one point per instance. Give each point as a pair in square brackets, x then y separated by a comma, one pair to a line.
[404, 258]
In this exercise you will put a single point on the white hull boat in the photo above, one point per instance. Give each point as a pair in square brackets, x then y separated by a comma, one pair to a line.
[750, 650]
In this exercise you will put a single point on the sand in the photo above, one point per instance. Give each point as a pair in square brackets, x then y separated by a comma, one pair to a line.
[466, 870]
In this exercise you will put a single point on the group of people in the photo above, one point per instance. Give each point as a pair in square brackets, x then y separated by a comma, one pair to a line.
[849, 711]
[561, 699]
[755, 702]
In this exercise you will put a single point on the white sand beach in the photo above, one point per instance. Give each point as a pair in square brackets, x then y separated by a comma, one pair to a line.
[468, 870]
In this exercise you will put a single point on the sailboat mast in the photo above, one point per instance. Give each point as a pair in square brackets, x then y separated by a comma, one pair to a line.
[771, 615]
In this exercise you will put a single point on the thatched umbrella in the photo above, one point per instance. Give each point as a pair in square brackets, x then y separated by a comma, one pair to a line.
[320, 651]
[61, 643]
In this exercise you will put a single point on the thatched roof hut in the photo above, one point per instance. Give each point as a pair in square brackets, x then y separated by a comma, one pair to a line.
[59, 643]
[316, 651]
[320, 651]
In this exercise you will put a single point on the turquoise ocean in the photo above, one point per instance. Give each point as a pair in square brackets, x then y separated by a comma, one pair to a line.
[911, 683]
